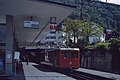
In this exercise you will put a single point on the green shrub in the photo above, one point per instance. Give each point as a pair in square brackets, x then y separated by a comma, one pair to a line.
[102, 45]
[115, 44]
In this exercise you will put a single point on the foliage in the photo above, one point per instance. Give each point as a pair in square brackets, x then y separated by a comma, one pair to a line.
[115, 44]
[82, 43]
[103, 45]
[115, 41]
[90, 29]
[99, 45]
[82, 30]
[72, 28]
[104, 14]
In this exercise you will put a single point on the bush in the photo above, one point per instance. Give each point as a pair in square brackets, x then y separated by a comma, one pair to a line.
[102, 45]
[115, 44]
[115, 41]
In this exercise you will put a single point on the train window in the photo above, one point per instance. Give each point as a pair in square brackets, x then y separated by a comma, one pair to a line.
[65, 55]
[74, 54]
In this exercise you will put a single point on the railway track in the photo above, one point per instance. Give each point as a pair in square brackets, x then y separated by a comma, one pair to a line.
[81, 76]
[74, 74]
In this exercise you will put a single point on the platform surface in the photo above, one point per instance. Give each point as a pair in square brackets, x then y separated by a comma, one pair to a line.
[100, 73]
[32, 73]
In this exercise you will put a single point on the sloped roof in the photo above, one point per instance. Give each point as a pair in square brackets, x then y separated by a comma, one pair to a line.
[41, 10]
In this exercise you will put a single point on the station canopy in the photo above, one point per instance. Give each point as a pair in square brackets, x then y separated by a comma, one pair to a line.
[36, 12]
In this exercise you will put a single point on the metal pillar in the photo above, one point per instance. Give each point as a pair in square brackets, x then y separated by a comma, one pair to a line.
[9, 46]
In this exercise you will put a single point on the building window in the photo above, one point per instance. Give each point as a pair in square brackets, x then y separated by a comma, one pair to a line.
[47, 37]
[59, 32]
[52, 32]
[60, 37]
[52, 37]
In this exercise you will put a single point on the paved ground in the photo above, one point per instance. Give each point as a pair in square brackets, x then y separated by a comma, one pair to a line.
[100, 73]
[35, 72]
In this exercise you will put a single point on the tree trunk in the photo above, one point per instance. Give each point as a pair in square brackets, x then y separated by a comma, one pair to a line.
[77, 36]
[74, 36]
[87, 39]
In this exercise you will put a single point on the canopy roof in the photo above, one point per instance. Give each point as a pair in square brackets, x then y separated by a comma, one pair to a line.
[40, 10]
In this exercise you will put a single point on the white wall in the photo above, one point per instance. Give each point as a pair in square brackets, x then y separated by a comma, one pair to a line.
[97, 39]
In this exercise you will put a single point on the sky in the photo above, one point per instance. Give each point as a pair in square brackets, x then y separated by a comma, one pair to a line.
[112, 1]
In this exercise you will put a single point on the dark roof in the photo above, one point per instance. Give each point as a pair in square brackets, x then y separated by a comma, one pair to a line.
[58, 3]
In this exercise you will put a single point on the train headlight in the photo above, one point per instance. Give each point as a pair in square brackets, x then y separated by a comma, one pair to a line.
[70, 62]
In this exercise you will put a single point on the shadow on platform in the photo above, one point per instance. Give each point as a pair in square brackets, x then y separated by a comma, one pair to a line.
[44, 68]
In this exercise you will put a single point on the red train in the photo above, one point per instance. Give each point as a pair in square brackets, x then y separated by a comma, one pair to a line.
[62, 57]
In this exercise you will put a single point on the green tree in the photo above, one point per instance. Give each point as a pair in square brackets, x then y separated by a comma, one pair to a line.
[88, 29]
[82, 30]
[71, 28]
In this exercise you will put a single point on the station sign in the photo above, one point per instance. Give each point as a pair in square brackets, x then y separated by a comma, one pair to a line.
[31, 24]
[17, 55]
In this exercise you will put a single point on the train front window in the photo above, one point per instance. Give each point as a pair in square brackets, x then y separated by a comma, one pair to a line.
[74, 54]
[65, 54]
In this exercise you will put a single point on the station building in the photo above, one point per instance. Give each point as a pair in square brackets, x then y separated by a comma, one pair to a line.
[24, 23]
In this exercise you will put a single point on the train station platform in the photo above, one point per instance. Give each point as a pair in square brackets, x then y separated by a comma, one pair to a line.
[33, 71]
[100, 73]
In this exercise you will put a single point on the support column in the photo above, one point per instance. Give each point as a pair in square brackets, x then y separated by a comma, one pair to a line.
[9, 46]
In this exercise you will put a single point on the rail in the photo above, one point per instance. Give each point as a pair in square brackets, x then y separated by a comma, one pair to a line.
[82, 76]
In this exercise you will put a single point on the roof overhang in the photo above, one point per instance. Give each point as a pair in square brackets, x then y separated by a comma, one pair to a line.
[41, 10]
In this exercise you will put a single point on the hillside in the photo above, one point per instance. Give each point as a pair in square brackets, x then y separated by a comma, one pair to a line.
[105, 14]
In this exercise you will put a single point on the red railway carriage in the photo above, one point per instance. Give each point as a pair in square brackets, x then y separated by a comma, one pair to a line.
[62, 57]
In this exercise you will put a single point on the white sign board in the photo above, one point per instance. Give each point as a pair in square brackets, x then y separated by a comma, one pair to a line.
[17, 55]
[31, 24]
